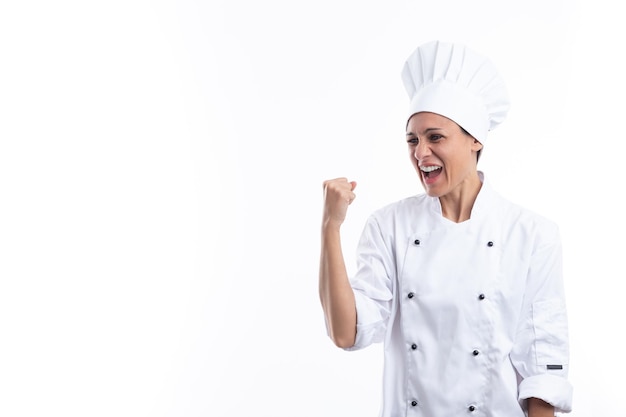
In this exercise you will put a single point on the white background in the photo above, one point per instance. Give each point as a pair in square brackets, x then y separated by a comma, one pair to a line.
[161, 166]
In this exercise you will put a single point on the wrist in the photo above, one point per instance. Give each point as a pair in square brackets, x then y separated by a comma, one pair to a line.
[331, 226]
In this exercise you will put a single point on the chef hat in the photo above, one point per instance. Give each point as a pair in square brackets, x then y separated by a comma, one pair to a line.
[456, 82]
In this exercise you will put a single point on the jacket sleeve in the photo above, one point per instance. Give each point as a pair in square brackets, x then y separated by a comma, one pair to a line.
[372, 285]
[541, 350]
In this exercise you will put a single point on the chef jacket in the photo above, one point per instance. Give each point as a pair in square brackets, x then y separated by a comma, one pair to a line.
[472, 314]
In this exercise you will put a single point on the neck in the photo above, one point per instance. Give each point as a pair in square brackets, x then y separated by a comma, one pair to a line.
[457, 205]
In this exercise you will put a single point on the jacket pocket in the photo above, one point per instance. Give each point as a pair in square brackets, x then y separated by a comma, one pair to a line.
[551, 332]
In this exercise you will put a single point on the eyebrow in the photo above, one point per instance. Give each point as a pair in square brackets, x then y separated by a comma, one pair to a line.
[430, 129]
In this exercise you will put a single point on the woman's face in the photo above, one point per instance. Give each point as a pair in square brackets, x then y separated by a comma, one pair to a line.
[443, 155]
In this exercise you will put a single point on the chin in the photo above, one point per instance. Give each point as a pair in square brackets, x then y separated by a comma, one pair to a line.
[433, 191]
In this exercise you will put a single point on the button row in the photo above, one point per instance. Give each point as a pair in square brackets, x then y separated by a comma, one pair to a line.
[417, 242]
[475, 352]
[471, 408]
[412, 294]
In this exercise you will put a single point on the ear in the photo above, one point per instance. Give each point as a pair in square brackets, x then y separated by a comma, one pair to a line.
[476, 145]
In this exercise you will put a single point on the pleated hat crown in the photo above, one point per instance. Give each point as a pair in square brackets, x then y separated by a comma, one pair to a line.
[453, 81]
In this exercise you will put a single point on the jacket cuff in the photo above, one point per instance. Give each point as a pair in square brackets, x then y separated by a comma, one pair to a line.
[552, 389]
[369, 323]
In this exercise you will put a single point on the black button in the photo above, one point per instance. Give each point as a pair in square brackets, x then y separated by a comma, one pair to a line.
[413, 403]
[471, 408]
[475, 353]
[490, 243]
[411, 295]
[481, 297]
[416, 241]
[413, 346]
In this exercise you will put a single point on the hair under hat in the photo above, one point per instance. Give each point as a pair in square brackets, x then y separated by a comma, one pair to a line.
[453, 81]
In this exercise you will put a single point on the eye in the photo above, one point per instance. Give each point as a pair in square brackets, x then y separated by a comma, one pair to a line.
[412, 141]
[435, 137]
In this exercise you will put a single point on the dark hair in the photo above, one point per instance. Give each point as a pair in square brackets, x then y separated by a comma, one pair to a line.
[468, 134]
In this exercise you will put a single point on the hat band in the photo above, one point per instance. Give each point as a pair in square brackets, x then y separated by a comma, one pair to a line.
[456, 103]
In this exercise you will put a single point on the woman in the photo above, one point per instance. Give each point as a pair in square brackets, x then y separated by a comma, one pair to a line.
[463, 287]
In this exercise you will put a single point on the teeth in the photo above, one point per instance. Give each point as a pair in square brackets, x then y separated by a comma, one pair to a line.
[430, 168]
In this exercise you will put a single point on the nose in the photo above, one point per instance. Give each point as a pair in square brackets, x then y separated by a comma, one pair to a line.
[421, 150]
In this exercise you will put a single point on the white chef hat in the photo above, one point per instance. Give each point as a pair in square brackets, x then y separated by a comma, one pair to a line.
[453, 81]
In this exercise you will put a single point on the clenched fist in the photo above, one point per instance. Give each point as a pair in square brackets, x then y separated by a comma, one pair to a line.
[338, 195]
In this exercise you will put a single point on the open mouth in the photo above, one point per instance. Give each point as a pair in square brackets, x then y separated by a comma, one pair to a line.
[431, 171]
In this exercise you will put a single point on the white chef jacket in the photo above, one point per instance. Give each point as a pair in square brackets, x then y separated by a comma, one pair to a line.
[472, 314]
